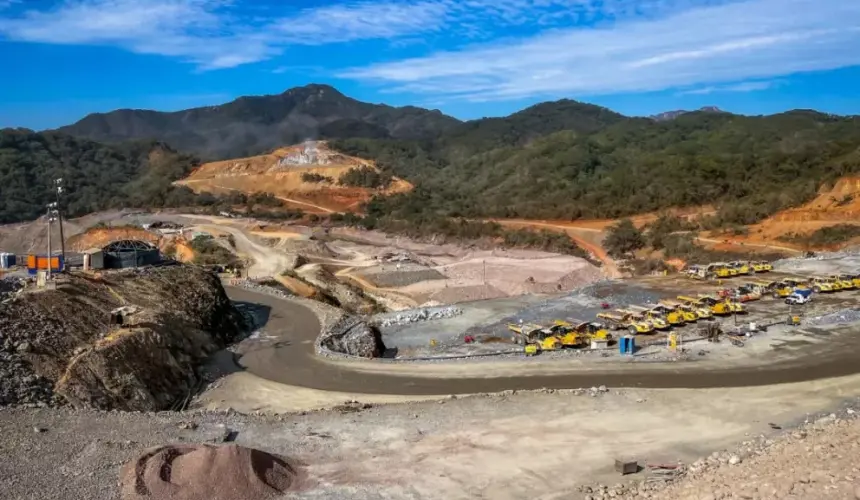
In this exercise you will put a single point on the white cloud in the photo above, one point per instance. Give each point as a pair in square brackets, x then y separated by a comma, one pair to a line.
[752, 39]
[224, 33]
[736, 87]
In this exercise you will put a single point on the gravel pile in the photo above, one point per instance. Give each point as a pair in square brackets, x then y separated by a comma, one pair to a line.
[836, 318]
[208, 472]
[351, 336]
[402, 277]
[418, 315]
[267, 286]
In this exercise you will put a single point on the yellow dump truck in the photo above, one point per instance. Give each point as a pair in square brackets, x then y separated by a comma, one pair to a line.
[720, 270]
[845, 281]
[668, 316]
[621, 320]
[824, 285]
[761, 266]
[855, 279]
[742, 267]
[588, 330]
[654, 319]
[716, 306]
[690, 313]
[531, 334]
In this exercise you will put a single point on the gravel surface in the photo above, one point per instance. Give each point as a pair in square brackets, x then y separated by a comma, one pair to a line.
[417, 315]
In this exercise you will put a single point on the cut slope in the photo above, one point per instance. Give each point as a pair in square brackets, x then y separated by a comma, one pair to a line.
[281, 173]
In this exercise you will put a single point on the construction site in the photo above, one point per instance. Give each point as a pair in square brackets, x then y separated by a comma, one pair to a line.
[338, 362]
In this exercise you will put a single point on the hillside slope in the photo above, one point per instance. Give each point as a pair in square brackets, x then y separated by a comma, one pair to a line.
[285, 173]
[755, 165]
[96, 176]
[253, 125]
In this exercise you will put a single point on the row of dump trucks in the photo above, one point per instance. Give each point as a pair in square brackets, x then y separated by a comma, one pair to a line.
[668, 313]
[559, 335]
[728, 269]
[786, 286]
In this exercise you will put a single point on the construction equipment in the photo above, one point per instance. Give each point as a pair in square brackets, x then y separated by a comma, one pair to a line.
[690, 313]
[746, 293]
[854, 278]
[696, 272]
[823, 285]
[845, 281]
[728, 305]
[761, 266]
[666, 315]
[720, 270]
[742, 267]
[645, 315]
[588, 330]
[718, 307]
[533, 334]
[621, 320]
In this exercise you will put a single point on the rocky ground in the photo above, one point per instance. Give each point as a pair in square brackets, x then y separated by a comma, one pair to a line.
[506, 446]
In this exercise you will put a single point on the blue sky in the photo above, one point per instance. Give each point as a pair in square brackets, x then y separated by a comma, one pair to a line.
[63, 59]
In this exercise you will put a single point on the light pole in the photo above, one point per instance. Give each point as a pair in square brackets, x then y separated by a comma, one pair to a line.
[59, 185]
[51, 212]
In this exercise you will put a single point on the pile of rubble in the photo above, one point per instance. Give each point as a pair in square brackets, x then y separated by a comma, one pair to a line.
[836, 318]
[10, 287]
[351, 336]
[418, 315]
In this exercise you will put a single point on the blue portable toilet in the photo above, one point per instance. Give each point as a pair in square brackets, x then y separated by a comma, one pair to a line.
[627, 344]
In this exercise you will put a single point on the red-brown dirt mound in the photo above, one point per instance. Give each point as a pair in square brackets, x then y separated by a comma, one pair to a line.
[208, 472]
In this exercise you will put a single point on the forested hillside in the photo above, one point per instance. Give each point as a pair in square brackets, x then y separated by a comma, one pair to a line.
[750, 166]
[96, 176]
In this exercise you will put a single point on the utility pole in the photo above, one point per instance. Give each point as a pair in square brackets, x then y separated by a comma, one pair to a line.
[59, 185]
[50, 219]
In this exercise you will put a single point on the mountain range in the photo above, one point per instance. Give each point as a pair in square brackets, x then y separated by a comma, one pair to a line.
[561, 159]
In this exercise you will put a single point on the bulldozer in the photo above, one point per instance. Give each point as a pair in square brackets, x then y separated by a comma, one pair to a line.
[690, 313]
[668, 316]
[621, 320]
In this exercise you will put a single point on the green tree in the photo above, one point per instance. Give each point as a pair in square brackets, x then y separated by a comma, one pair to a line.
[623, 238]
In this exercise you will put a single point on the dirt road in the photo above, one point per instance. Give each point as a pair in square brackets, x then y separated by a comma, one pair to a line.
[266, 262]
[319, 208]
[589, 239]
[291, 360]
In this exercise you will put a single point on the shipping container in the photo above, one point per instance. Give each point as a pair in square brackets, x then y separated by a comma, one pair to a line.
[94, 259]
[40, 262]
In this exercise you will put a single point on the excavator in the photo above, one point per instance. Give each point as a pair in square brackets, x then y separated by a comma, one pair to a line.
[620, 320]
[672, 318]
[690, 313]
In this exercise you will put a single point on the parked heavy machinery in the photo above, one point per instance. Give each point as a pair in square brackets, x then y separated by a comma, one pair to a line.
[690, 313]
[726, 304]
[717, 306]
[742, 267]
[855, 279]
[622, 320]
[845, 281]
[531, 334]
[761, 266]
[668, 316]
[567, 335]
[590, 330]
[719, 270]
[655, 320]
[696, 272]
[746, 293]
[823, 285]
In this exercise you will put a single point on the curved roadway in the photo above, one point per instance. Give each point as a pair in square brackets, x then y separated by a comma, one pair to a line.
[291, 360]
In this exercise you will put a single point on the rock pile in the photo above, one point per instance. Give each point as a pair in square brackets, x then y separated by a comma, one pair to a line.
[836, 318]
[351, 336]
[9, 288]
[418, 315]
